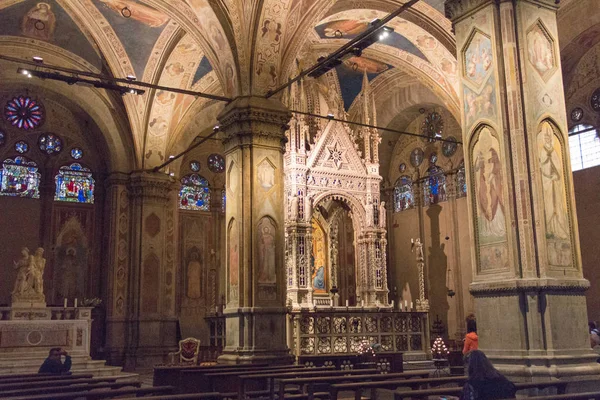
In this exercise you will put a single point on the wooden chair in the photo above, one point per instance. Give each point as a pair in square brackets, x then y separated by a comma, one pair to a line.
[189, 350]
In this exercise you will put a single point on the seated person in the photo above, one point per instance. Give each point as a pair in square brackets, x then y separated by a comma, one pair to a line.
[485, 382]
[53, 364]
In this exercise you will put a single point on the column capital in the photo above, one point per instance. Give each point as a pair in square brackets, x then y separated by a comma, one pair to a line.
[155, 186]
[458, 9]
[116, 178]
[254, 120]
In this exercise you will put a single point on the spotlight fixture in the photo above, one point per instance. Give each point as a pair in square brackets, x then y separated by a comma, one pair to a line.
[437, 135]
[131, 77]
[171, 157]
[23, 71]
[216, 128]
[330, 116]
[38, 59]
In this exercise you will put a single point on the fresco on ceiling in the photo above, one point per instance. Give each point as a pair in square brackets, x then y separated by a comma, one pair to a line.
[350, 74]
[138, 32]
[437, 4]
[47, 21]
[351, 28]
[203, 68]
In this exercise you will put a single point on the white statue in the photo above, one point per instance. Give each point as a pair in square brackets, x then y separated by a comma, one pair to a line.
[294, 207]
[309, 208]
[382, 214]
[418, 246]
[29, 286]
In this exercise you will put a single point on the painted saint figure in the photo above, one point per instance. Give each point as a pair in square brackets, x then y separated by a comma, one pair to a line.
[551, 167]
[266, 252]
[140, 12]
[319, 279]
[194, 277]
[39, 22]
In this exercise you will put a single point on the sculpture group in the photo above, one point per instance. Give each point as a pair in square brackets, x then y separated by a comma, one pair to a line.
[29, 285]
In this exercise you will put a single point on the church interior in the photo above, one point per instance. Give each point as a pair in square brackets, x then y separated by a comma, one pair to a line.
[287, 180]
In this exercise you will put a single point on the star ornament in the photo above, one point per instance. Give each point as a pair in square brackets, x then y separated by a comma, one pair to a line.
[336, 154]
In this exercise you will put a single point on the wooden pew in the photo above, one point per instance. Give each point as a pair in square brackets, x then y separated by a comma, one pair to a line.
[561, 387]
[49, 383]
[268, 379]
[189, 396]
[44, 377]
[414, 384]
[72, 388]
[100, 394]
[323, 384]
[194, 381]
[570, 396]
[167, 374]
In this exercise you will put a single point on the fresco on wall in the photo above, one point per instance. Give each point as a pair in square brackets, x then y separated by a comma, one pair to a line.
[266, 251]
[234, 258]
[555, 197]
[489, 197]
[540, 49]
[142, 22]
[478, 58]
[480, 104]
[71, 260]
[194, 274]
[318, 259]
[56, 27]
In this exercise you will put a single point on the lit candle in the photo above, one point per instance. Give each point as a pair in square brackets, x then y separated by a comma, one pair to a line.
[362, 303]
[65, 303]
[405, 304]
[216, 309]
[75, 302]
[347, 303]
[411, 306]
[392, 304]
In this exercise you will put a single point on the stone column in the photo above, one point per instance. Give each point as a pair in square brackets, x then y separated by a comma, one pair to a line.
[527, 285]
[150, 312]
[117, 222]
[253, 136]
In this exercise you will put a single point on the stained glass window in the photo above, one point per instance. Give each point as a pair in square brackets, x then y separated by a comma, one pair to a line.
[2, 138]
[74, 183]
[432, 127]
[21, 147]
[403, 194]
[76, 153]
[50, 144]
[24, 112]
[461, 181]
[216, 163]
[20, 177]
[194, 193]
[195, 166]
[435, 186]
[449, 146]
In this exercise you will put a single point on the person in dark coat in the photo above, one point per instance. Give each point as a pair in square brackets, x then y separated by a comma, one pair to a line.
[54, 365]
[485, 382]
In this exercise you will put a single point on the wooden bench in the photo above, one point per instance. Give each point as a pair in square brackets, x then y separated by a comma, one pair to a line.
[44, 377]
[224, 382]
[101, 394]
[322, 384]
[414, 384]
[561, 387]
[189, 396]
[167, 374]
[49, 383]
[72, 388]
[268, 379]
[570, 396]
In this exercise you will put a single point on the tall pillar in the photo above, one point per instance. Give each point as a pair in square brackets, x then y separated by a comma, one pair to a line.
[253, 136]
[150, 302]
[527, 285]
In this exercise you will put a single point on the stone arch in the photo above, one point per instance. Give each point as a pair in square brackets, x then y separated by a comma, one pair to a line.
[358, 209]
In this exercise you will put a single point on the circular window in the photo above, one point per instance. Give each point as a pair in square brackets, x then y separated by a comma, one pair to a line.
[433, 158]
[416, 157]
[595, 101]
[76, 153]
[449, 146]
[577, 114]
[50, 144]
[402, 167]
[195, 166]
[432, 127]
[216, 163]
[24, 113]
[21, 147]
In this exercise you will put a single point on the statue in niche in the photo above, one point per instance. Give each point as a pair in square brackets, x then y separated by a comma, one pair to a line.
[266, 251]
[417, 247]
[70, 259]
[29, 286]
[382, 214]
[294, 207]
[69, 266]
[194, 272]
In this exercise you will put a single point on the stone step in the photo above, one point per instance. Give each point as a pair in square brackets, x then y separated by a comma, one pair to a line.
[81, 365]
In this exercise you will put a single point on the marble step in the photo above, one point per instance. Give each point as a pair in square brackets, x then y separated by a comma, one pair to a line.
[81, 364]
